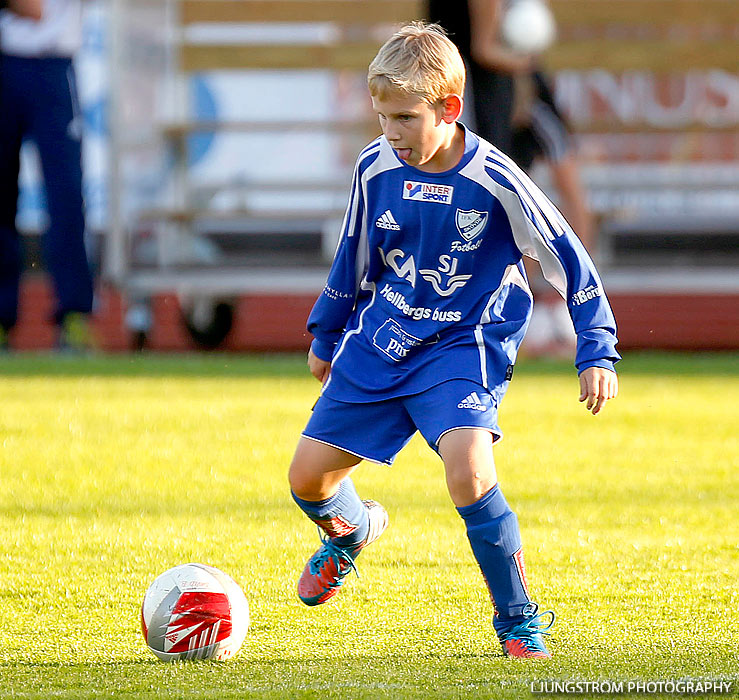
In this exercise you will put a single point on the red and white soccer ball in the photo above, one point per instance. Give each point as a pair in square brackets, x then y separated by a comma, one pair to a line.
[194, 611]
[529, 26]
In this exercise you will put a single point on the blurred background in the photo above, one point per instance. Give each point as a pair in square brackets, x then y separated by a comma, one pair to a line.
[219, 138]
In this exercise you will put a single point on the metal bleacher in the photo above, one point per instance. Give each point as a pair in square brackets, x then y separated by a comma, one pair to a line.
[246, 245]
[191, 247]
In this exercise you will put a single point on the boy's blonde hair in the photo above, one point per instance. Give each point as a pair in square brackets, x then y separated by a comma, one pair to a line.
[418, 59]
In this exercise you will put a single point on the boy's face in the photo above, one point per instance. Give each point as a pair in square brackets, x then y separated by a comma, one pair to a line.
[420, 133]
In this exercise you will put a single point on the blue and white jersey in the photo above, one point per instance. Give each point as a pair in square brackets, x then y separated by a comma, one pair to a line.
[428, 283]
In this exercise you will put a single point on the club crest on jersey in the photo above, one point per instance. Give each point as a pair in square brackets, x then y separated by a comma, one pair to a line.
[427, 192]
[470, 224]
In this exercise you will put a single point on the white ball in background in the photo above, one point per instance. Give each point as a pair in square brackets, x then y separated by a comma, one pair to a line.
[529, 26]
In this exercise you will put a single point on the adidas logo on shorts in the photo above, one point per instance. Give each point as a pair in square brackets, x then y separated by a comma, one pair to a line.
[387, 220]
[472, 401]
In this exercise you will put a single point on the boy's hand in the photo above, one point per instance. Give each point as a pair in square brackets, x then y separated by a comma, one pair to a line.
[318, 368]
[597, 385]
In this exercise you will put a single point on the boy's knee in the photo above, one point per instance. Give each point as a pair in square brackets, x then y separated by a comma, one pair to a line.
[304, 479]
[469, 464]
[469, 484]
[317, 469]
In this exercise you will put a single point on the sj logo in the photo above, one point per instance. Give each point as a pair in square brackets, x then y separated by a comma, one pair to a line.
[445, 279]
[470, 224]
[405, 270]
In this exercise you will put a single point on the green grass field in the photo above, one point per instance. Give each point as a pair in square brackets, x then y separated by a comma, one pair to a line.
[115, 469]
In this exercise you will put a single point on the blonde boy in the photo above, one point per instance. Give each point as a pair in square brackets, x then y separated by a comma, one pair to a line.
[420, 320]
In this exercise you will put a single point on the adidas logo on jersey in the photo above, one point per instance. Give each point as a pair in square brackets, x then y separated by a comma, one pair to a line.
[472, 401]
[387, 220]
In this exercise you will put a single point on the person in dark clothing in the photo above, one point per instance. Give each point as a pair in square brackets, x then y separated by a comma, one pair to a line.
[39, 101]
[510, 103]
[474, 25]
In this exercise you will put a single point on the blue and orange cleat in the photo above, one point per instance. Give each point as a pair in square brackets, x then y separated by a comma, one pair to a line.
[326, 569]
[525, 640]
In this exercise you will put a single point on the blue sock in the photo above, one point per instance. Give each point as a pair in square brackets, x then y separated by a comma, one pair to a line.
[492, 529]
[343, 516]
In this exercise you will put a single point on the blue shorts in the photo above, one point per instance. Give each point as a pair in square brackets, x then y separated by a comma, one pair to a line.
[377, 431]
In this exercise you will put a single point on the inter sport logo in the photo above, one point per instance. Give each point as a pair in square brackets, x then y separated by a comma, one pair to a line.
[387, 221]
[427, 192]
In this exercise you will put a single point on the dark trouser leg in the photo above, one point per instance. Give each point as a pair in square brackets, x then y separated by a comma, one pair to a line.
[10, 249]
[493, 98]
[57, 131]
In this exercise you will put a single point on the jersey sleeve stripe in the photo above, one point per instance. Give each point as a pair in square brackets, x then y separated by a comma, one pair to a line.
[552, 214]
[369, 149]
[362, 255]
[531, 212]
[524, 181]
[529, 240]
[347, 225]
[369, 286]
[531, 194]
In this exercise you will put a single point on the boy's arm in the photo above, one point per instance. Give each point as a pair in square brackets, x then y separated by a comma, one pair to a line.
[24, 8]
[542, 233]
[334, 306]
[569, 269]
[486, 47]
